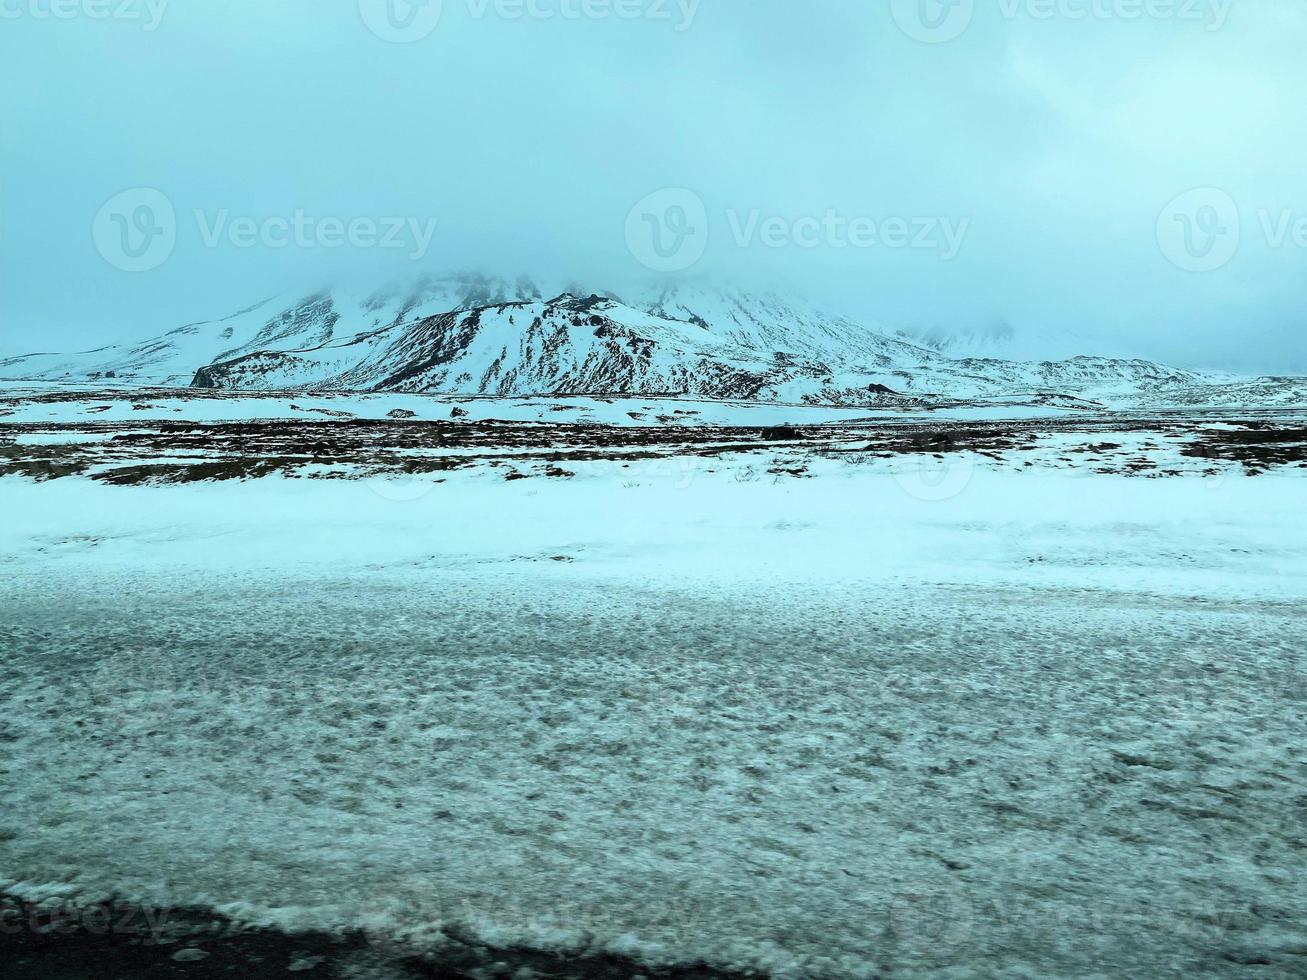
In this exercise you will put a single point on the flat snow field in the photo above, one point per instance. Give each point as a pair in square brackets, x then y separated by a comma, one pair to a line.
[1047, 725]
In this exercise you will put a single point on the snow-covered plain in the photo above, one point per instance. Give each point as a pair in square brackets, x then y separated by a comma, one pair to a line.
[1043, 724]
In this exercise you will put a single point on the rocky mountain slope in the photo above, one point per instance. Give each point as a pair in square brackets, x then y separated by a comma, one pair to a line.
[480, 335]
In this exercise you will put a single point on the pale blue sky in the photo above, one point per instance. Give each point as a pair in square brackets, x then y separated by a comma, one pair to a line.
[1058, 139]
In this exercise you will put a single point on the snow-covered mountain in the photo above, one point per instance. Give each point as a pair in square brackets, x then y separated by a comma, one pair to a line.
[484, 335]
[281, 324]
[1001, 340]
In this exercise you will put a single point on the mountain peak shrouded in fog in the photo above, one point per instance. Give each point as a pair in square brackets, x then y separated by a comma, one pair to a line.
[516, 335]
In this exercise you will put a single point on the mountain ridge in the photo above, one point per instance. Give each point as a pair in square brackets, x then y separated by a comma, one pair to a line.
[486, 335]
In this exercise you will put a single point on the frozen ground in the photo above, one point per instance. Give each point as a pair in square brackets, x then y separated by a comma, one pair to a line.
[1041, 724]
[58, 405]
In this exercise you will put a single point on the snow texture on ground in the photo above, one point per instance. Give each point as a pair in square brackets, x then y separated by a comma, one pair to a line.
[1047, 725]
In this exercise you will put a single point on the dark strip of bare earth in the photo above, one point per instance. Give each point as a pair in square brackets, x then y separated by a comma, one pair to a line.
[125, 942]
[152, 452]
